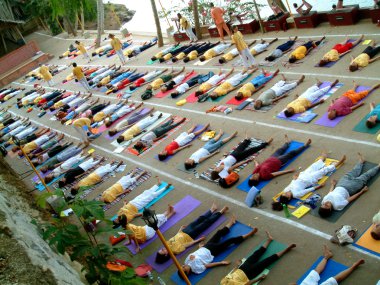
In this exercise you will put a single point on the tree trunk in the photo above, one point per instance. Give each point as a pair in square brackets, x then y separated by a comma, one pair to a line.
[160, 41]
[82, 19]
[279, 4]
[196, 20]
[99, 5]
[76, 22]
[69, 26]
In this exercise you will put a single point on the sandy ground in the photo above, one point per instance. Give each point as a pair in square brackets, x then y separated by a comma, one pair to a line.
[309, 233]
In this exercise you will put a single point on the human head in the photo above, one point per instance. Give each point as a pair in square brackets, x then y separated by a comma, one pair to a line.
[74, 190]
[49, 178]
[289, 112]
[295, 5]
[123, 221]
[139, 146]
[162, 155]
[239, 96]
[353, 67]
[189, 164]
[292, 59]
[277, 206]
[132, 88]
[186, 59]
[258, 104]
[174, 94]
[112, 132]
[325, 210]
[334, 7]
[161, 60]
[15, 148]
[149, 87]
[331, 114]
[323, 62]
[198, 93]
[75, 64]
[107, 122]
[174, 59]
[164, 88]
[185, 268]
[162, 256]
[44, 169]
[202, 58]
[179, 15]
[222, 60]
[270, 58]
[371, 122]
[62, 182]
[111, 36]
[214, 96]
[235, 29]
[214, 174]
[153, 58]
[131, 55]
[120, 139]
[254, 179]
[77, 42]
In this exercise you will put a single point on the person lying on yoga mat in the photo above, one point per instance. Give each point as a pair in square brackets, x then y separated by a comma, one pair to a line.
[305, 101]
[245, 273]
[13, 126]
[121, 187]
[232, 54]
[141, 234]
[74, 112]
[348, 102]
[195, 53]
[138, 128]
[130, 121]
[46, 146]
[34, 141]
[65, 166]
[124, 110]
[213, 52]
[303, 50]
[258, 82]
[68, 102]
[270, 168]
[179, 52]
[131, 209]
[281, 49]
[112, 75]
[230, 84]
[350, 187]
[117, 79]
[365, 58]
[163, 52]
[339, 50]
[208, 150]
[276, 92]
[191, 83]
[212, 82]
[139, 49]
[45, 155]
[300, 9]
[304, 182]
[202, 259]
[125, 82]
[375, 230]
[21, 134]
[373, 116]
[72, 174]
[94, 109]
[8, 136]
[146, 78]
[187, 235]
[181, 142]
[183, 52]
[111, 70]
[314, 276]
[175, 81]
[95, 177]
[237, 158]
[107, 111]
[156, 134]
[10, 95]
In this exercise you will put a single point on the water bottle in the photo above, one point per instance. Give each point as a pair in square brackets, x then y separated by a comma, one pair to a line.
[286, 210]
[162, 282]
[150, 275]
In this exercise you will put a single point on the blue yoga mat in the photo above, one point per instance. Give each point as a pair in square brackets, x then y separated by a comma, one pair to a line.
[244, 185]
[236, 230]
[332, 269]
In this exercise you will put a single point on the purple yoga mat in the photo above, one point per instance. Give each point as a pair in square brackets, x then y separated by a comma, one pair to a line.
[43, 175]
[162, 267]
[326, 122]
[182, 208]
[108, 137]
[103, 127]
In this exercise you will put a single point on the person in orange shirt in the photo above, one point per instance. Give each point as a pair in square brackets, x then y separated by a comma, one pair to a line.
[217, 14]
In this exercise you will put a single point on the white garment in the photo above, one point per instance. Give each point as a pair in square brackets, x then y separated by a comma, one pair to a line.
[184, 138]
[82, 107]
[150, 232]
[26, 132]
[338, 198]
[200, 153]
[189, 32]
[313, 93]
[313, 279]
[124, 110]
[44, 157]
[215, 79]
[228, 162]
[68, 99]
[146, 122]
[16, 131]
[82, 133]
[75, 102]
[68, 164]
[88, 164]
[236, 79]
[121, 56]
[146, 197]
[282, 87]
[151, 75]
[110, 108]
[84, 83]
[182, 88]
[247, 58]
[277, 53]
[221, 47]
[376, 219]
[105, 169]
[148, 138]
[126, 181]
[41, 140]
[178, 79]
[15, 125]
[260, 47]
[202, 257]
[234, 52]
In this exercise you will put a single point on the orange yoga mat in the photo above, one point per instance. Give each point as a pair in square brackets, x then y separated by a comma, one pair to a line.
[367, 242]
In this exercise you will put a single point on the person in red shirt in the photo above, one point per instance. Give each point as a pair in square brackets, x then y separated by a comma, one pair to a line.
[271, 166]
[217, 14]
[348, 102]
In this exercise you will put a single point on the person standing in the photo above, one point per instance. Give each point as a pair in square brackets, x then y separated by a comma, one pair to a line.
[185, 25]
[242, 47]
[117, 46]
[83, 50]
[79, 75]
[44, 70]
[217, 14]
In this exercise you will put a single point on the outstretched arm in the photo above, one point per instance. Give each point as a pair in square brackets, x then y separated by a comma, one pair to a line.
[357, 195]
[208, 156]
[279, 173]
[357, 106]
[316, 104]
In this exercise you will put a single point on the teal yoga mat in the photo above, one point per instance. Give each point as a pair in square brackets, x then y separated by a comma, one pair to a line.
[362, 128]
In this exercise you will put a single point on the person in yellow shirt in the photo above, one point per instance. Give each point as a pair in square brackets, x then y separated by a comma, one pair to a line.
[190, 235]
[339, 50]
[242, 47]
[185, 25]
[365, 58]
[215, 51]
[157, 83]
[247, 272]
[83, 50]
[117, 46]
[79, 75]
[301, 51]
[82, 126]
[45, 72]
[233, 53]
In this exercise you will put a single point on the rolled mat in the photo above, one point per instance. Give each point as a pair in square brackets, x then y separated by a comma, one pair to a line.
[182, 209]
[164, 94]
[326, 122]
[332, 268]
[237, 229]
[367, 243]
[162, 267]
[293, 145]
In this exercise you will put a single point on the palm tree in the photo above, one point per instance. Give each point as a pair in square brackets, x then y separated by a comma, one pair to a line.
[196, 20]
[160, 41]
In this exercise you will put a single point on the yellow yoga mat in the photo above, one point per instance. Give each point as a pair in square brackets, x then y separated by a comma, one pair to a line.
[366, 42]
[368, 242]
[301, 211]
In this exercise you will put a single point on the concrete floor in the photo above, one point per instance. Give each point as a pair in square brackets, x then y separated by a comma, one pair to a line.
[309, 233]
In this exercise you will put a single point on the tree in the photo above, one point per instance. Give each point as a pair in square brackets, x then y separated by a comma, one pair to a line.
[160, 41]
[100, 14]
[196, 20]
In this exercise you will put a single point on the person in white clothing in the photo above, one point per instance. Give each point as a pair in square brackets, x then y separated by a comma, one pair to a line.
[304, 182]
[314, 277]
[375, 230]
[175, 81]
[212, 82]
[215, 51]
[126, 109]
[185, 25]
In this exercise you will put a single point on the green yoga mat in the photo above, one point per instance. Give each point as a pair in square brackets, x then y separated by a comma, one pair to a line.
[362, 128]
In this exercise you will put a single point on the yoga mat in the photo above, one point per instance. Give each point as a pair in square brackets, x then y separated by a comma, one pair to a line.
[271, 63]
[111, 138]
[367, 243]
[104, 128]
[337, 214]
[200, 63]
[197, 128]
[244, 185]
[183, 208]
[331, 63]
[236, 230]
[308, 116]
[163, 194]
[362, 128]
[326, 122]
[161, 94]
[332, 268]
[191, 98]
[162, 267]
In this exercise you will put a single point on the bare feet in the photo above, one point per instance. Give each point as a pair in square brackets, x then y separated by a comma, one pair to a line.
[168, 186]
[327, 252]
[308, 142]
[231, 222]
[269, 237]
[213, 208]
[224, 209]
[251, 233]
[301, 79]
[270, 141]
[361, 158]
[287, 139]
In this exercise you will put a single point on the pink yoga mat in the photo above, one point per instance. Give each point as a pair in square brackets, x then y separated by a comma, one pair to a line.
[326, 122]
[182, 209]
[164, 94]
